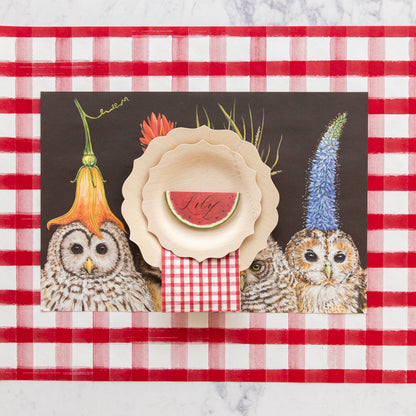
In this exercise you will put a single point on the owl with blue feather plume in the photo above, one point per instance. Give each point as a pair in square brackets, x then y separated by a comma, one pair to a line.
[323, 258]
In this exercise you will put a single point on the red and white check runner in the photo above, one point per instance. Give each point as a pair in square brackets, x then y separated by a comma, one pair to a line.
[377, 347]
[212, 285]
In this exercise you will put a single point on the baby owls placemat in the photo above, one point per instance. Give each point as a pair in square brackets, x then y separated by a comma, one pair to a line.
[326, 113]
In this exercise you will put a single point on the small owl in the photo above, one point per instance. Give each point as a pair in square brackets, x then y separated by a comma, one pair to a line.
[327, 269]
[86, 273]
[268, 285]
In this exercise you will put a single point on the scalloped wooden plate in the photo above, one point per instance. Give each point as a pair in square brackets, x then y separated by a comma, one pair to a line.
[201, 167]
[133, 187]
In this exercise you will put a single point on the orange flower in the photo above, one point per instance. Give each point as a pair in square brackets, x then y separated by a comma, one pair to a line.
[154, 127]
[90, 205]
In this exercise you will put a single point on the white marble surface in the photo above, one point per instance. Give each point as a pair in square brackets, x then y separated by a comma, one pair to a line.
[84, 398]
[207, 12]
[205, 399]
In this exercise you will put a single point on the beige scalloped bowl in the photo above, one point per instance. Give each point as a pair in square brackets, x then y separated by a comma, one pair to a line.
[201, 167]
[133, 187]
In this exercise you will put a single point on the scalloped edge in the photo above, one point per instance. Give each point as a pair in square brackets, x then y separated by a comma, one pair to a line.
[133, 187]
[220, 249]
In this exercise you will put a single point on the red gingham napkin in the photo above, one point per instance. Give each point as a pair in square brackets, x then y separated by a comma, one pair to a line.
[212, 285]
[377, 347]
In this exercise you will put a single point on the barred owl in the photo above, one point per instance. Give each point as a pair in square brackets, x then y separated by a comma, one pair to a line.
[86, 273]
[327, 269]
[268, 284]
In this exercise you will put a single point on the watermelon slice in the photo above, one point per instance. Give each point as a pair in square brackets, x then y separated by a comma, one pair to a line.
[202, 210]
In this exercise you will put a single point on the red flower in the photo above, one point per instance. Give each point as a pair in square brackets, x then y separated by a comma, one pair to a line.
[154, 127]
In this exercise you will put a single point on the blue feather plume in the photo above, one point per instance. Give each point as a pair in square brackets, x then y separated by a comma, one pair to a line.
[321, 209]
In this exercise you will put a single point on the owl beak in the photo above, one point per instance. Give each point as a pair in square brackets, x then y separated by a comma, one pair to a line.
[327, 269]
[88, 265]
[243, 277]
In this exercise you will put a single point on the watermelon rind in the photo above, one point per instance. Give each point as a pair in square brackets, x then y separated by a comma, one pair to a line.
[201, 227]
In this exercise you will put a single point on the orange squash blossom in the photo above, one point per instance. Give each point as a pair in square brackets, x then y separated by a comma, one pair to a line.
[90, 205]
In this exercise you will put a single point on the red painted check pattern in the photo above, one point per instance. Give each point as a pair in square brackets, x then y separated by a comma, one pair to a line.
[377, 347]
[212, 285]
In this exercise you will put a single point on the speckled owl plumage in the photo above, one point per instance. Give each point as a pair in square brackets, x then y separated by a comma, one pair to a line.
[111, 284]
[271, 288]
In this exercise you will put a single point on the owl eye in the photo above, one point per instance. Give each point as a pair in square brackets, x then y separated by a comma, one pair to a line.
[339, 257]
[311, 256]
[101, 248]
[255, 266]
[77, 249]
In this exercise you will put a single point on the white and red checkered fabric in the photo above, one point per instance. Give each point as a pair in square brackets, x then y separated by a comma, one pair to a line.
[377, 347]
[212, 285]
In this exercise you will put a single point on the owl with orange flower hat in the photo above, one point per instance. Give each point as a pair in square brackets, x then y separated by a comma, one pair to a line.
[89, 265]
